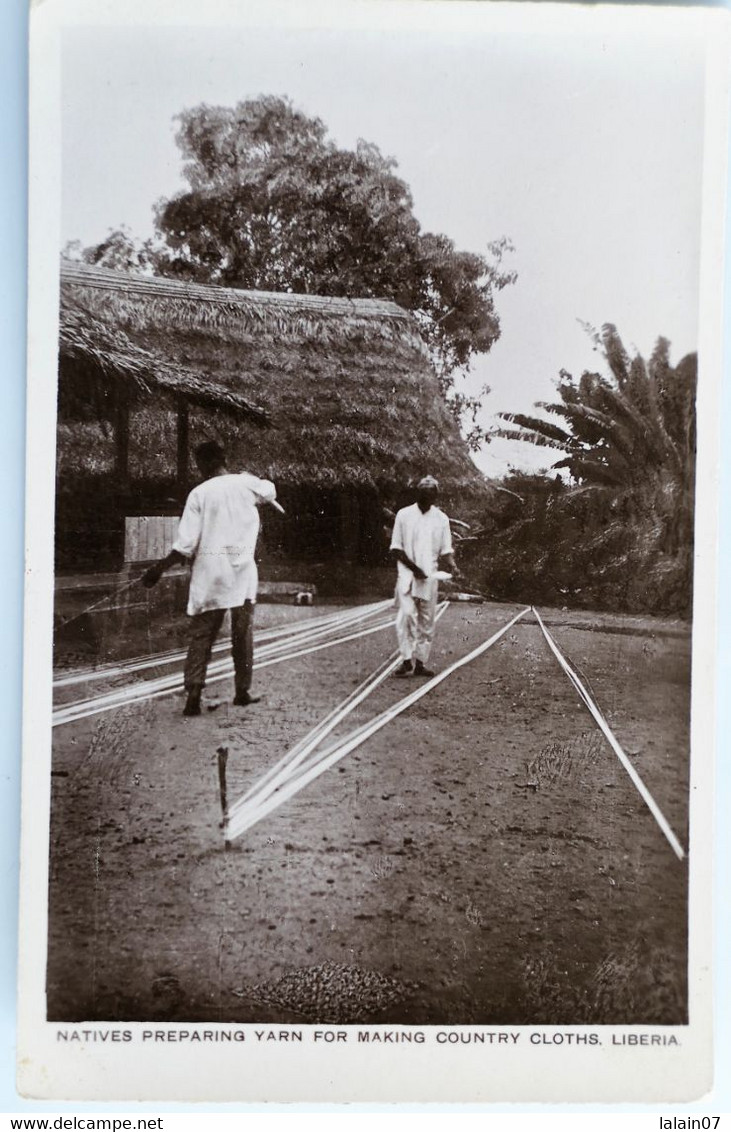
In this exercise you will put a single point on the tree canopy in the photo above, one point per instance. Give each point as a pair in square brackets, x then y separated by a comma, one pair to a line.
[619, 530]
[273, 203]
[623, 429]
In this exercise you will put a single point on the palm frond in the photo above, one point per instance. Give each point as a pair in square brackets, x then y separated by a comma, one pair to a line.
[537, 424]
[528, 437]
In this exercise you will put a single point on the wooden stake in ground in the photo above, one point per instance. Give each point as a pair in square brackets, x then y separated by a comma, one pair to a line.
[222, 753]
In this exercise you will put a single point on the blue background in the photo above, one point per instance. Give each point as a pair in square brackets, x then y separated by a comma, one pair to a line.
[13, 278]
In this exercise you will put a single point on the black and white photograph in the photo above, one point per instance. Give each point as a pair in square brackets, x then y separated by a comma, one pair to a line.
[373, 370]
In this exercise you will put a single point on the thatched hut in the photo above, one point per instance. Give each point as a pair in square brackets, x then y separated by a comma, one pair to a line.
[334, 399]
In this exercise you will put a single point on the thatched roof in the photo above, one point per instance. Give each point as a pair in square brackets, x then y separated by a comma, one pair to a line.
[93, 345]
[345, 385]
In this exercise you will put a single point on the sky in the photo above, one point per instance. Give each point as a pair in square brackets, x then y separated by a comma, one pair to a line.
[581, 141]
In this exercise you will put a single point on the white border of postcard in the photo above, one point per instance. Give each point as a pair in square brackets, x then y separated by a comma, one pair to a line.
[535, 1068]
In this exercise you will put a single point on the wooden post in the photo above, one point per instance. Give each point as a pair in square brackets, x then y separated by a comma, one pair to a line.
[349, 524]
[222, 753]
[121, 435]
[183, 441]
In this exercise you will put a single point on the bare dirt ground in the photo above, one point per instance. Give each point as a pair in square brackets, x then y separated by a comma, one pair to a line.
[484, 859]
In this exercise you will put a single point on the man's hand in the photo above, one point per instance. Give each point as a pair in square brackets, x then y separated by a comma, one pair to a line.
[448, 563]
[401, 556]
[151, 576]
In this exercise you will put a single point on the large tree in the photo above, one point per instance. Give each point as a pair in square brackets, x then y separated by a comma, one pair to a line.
[119, 251]
[273, 204]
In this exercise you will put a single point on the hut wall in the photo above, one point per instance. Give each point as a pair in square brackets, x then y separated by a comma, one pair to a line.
[84, 449]
[93, 494]
[89, 535]
[243, 441]
[335, 529]
[153, 444]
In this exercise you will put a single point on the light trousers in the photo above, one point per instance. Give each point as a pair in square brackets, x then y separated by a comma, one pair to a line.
[415, 620]
[203, 632]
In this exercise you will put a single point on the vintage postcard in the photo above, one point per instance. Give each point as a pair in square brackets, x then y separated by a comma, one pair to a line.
[373, 419]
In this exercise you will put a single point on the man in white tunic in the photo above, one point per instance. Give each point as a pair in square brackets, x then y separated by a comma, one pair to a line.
[421, 536]
[218, 531]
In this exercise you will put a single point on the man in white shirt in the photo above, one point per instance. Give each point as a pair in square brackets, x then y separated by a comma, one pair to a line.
[421, 536]
[218, 531]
